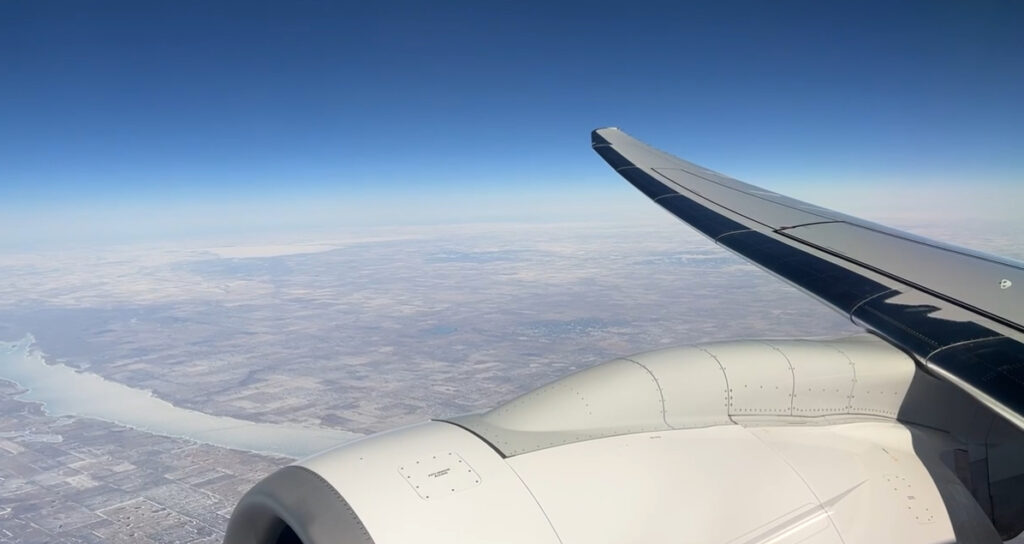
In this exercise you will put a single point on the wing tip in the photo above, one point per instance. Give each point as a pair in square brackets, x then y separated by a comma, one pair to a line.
[596, 138]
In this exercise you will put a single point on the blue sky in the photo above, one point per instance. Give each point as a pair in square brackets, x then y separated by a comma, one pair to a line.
[128, 120]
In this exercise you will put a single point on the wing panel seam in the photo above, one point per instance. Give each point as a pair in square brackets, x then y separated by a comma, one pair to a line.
[780, 229]
[908, 283]
[868, 298]
[748, 193]
[927, 358]
[703, 198]
[723, 235]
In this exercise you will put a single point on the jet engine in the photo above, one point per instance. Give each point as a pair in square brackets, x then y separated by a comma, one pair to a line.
[814, 441]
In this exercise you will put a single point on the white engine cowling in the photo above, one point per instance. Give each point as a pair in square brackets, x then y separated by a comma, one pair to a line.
[756, 441]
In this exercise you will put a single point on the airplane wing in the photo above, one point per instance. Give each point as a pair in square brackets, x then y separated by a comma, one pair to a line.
[846, 440]
[959, 313]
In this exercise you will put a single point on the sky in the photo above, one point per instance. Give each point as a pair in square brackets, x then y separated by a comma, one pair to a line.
[127, 121]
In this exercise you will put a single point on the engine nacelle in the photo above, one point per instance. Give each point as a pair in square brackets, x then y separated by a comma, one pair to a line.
[753, 441]
[416, 484]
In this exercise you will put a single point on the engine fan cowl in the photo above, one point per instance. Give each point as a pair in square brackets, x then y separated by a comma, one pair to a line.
[409, 485]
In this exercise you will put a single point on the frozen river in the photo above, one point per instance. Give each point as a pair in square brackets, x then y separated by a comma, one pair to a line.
[65, 391]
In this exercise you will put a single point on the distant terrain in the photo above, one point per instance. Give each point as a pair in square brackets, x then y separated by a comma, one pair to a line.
[355, 332]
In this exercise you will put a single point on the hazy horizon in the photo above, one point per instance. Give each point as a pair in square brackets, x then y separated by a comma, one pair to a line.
[135, 123]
